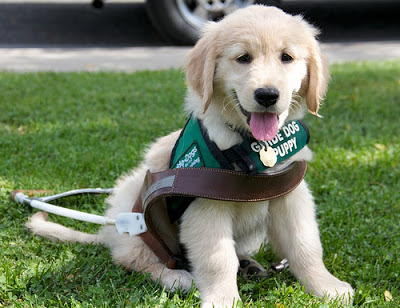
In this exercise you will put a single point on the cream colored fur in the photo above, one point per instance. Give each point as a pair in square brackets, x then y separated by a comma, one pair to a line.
[215, 232]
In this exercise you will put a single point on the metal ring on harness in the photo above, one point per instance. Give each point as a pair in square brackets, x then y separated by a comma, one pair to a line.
[216, 184]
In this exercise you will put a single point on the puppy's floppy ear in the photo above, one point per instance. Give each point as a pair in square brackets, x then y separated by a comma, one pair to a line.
[318, 77]
[201, 63]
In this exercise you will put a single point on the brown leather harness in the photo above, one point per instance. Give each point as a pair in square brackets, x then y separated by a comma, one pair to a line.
[209, 183]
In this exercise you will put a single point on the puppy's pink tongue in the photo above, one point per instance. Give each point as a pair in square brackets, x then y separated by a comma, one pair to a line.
[264, 126]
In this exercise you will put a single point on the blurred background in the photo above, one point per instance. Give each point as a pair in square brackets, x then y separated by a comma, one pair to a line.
[166, 24]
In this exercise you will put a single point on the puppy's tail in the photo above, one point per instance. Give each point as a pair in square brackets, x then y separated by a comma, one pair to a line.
[38, 224]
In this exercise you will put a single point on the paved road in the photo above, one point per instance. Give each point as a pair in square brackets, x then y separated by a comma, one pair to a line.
[65, 35]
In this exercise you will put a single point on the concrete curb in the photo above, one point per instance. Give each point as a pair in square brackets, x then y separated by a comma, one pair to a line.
[157, 58]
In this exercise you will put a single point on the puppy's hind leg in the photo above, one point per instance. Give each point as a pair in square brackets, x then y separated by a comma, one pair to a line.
[206, 233]
[249, 268]
[293, 232]
[133, 254]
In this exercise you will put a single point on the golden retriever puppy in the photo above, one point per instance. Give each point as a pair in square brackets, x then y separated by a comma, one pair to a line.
[248, 74]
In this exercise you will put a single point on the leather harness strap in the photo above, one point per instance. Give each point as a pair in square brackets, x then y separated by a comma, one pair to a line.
[216, 184]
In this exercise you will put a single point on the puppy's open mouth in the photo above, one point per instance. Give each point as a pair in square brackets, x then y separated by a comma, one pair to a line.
[263, 125]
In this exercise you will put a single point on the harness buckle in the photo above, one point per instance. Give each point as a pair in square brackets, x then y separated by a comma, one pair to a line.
[280, 266]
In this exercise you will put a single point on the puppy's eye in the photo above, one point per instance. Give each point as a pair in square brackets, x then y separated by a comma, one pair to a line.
[244, 59]
[286, 58]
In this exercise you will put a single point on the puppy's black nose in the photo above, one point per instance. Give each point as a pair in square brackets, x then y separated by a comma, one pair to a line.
[266, 96]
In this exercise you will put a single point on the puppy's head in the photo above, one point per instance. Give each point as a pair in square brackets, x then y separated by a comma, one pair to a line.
[256, 67]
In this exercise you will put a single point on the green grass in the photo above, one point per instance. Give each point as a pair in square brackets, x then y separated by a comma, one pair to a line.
[66, 131]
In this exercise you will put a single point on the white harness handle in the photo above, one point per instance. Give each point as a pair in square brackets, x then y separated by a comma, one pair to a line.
[132, 223]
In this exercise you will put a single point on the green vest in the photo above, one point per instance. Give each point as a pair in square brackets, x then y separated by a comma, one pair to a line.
[194, 149]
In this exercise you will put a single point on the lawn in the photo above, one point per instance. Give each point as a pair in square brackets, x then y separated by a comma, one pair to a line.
[73, 130]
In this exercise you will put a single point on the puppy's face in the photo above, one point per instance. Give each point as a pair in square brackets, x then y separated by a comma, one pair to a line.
[258, 66]
[262, 78]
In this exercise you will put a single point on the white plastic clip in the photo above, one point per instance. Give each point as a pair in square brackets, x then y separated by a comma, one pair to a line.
[133, 223]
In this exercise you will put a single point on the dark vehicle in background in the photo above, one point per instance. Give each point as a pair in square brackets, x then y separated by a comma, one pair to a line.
[179, 21]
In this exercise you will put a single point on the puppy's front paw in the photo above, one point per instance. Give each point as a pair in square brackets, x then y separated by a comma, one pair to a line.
[332, 288]
[177, 279]
[224, 304]
[340, 290]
